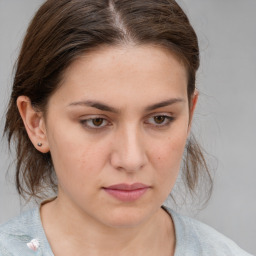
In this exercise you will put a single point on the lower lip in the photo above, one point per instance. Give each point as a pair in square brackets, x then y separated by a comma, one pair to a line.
[127, 195]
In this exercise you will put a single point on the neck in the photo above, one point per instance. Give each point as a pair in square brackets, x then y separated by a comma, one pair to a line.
[85, 234]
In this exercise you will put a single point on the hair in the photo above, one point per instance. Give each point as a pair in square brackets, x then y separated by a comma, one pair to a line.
[61, 32]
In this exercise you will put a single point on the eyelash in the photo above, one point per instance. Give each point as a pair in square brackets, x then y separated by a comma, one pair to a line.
[86, 122]
[167, 120]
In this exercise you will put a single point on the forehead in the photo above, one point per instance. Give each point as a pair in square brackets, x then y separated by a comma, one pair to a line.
[137, 72]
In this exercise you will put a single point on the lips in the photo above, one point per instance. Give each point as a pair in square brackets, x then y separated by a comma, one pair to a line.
[127, 192]
[128, 187]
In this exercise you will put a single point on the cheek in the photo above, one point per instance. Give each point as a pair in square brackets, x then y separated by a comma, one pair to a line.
[167, 158]
[171, 151]
[75, 156]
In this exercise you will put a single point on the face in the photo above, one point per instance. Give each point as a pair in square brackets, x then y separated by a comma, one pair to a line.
[116, 129]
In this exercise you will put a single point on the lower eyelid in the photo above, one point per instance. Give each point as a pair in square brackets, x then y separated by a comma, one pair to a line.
[84, 122]
[168, 120]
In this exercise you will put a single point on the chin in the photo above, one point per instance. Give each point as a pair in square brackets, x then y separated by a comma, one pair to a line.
[128, 217]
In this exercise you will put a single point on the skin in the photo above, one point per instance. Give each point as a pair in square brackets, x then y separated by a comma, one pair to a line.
[135, 140]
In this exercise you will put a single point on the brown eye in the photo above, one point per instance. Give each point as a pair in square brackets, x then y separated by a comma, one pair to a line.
[97, 121]
[159, 119]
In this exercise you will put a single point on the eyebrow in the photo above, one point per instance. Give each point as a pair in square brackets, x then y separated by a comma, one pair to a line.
[104, 107]
[164, 103]
[95, 104]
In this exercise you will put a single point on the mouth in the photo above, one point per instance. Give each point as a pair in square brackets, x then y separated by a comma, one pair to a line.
[127, 192]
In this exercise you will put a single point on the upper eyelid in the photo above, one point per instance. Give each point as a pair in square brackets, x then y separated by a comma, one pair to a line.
[167, 114]
[90, 117]
[84, 122]
[168, 118]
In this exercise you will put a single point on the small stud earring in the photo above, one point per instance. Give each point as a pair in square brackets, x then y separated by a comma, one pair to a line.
[39, 144]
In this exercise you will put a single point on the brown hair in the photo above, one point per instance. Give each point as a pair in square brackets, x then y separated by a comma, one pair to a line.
[60, 32]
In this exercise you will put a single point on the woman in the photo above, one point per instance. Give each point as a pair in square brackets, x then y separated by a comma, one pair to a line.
[101, 110]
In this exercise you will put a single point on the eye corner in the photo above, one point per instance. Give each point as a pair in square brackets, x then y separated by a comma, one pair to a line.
[160, 120]
[95, 123]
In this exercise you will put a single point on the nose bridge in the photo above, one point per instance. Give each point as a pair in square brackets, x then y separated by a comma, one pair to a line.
[129, 153]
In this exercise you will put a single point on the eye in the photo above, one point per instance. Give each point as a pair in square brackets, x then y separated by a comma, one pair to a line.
[160, 120]
[95, 123]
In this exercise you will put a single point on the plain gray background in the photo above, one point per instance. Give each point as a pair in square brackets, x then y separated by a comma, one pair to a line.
[224, 121]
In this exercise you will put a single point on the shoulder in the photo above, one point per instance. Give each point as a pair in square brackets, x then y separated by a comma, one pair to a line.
[196, 238]
[19, 235]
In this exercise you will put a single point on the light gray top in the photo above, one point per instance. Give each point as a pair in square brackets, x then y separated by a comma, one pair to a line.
[24, 236]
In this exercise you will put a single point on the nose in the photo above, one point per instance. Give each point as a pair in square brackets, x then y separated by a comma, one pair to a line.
[129, 152]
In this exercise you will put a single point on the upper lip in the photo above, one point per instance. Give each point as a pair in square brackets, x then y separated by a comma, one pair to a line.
[124, 186]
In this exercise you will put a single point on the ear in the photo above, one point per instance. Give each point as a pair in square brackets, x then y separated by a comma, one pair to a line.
[34, 123]
[192, 108]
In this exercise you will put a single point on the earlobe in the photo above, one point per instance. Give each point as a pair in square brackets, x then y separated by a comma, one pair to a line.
[34, 123]
[193, 103]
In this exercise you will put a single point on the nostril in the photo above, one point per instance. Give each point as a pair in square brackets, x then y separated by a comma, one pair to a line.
[127, 164]
[119, 168]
